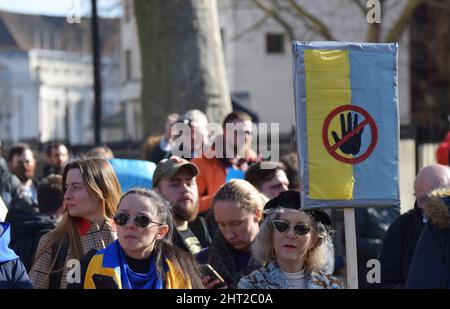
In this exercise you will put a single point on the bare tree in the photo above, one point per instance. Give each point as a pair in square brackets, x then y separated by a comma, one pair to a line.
[280, 9]
[183, 65]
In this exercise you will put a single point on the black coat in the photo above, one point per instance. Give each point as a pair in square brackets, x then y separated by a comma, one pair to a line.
[430, 266]
[27, 228]
[157, 154]
[221, 256]
[371, 226]
[398, 248]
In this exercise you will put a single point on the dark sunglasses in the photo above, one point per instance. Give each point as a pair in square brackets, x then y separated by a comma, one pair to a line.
[142, 221]
[284, 226]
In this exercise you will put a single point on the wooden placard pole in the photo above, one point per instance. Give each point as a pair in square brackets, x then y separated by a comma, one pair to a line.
[350, 248]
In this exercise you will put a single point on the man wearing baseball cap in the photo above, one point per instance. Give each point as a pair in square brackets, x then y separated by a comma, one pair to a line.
[174, 179]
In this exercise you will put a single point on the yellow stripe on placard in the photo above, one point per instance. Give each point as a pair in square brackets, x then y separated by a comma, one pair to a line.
[327, 75]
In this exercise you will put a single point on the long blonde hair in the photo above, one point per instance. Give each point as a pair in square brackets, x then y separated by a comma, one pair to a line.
[99, 178]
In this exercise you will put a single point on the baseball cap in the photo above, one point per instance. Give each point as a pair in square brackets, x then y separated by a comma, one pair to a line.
[166, 168]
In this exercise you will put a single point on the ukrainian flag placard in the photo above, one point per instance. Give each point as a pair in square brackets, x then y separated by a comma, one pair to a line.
[347, 123]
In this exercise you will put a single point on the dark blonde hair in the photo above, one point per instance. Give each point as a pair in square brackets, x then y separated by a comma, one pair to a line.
[242, 193]
[100, 179]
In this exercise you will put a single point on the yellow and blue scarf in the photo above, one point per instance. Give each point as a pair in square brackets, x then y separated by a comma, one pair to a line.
[111, 262]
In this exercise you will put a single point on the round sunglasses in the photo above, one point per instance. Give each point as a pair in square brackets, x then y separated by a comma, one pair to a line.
[283, 226]
[142, 221]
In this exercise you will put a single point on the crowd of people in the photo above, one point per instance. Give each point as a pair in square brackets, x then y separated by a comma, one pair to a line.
[205, 221]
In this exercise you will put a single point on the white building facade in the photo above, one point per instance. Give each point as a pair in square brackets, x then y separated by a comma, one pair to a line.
[46, 90]
[18, 93]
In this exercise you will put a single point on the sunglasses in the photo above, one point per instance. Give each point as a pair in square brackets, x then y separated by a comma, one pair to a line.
[284, 226]
[141, 221]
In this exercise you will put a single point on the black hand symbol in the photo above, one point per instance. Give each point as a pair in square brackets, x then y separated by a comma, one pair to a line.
[353, 144]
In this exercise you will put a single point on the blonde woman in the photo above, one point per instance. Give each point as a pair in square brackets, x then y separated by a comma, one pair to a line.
[294, 246]
[91, 195]
[238, 209]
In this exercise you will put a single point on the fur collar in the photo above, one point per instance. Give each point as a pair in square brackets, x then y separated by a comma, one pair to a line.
[436, 210]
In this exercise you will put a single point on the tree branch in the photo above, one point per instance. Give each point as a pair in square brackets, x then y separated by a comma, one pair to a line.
[317, 24]
[251, 28]
[274, 14]
[360, 6]
[397, 29]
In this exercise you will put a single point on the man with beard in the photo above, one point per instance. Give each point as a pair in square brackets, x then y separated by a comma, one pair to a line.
[22, 163]
[174, 179]
[56, 156]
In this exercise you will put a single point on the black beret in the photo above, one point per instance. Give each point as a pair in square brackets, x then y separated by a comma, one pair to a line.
[291, 199]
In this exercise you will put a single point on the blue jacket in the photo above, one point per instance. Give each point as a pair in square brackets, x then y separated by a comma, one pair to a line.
[270, 276]
[12, 272]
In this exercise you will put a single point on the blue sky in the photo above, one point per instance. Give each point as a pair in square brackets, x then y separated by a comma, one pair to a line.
[106, 8]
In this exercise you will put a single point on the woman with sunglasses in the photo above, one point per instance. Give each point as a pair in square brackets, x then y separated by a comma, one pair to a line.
[143, 256]
[91, 194]
[293, 245]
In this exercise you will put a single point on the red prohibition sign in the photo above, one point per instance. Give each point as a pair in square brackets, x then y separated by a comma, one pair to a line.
[367, 121]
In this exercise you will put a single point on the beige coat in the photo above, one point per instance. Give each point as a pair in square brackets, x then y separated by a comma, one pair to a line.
[97, 237]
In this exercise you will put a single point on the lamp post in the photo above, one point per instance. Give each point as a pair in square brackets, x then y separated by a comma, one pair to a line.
[97, 76]
[66, 116]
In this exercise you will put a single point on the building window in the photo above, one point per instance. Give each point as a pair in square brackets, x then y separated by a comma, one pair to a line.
[128, 64]
[222, 37]
[274, 43]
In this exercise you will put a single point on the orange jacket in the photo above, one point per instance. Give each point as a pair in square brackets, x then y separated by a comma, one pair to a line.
[212, 176]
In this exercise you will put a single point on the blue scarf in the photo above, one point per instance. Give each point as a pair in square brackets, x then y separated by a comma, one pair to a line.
[133, 280]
